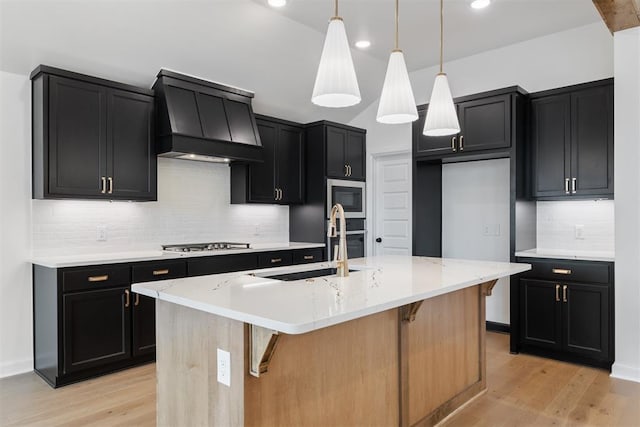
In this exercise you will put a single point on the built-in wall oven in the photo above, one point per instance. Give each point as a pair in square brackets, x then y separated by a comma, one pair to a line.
[355, 239]
[350, 194]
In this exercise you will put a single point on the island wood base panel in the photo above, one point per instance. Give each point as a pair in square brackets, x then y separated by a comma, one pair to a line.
[403, 367]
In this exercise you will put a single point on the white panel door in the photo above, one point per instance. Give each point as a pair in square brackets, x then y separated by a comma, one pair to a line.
[392, 205]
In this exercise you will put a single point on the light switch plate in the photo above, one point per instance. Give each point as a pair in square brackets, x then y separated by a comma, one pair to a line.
[224, 367]
[579, 229]
[101, 233]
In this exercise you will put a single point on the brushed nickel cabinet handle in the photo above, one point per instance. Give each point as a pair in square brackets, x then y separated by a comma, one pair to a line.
[453, 143]
[274, 260]
[566, 186]
[280, 190]
[137, 300]
[126, 294]
[103, 185]
[564, 293]
[102, 278]
[461, 143]
[564, 271]
[308, 257]
[574, 185]
[346, 170]
[110, 185]
[350, 170]
[557, 293]
[161, 272]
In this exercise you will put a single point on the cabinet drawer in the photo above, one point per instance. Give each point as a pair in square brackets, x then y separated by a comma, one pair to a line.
[95, 278]
[274, 259]
[303, 256]
[158, 271]
[568, 271]
[221, 264]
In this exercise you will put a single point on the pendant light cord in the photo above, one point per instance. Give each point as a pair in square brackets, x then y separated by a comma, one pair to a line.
[336, 14]
[397, 20]
[441, 32]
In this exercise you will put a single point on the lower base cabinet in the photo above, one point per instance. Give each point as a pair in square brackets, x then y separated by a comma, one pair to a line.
[87, 322]
[562, 315]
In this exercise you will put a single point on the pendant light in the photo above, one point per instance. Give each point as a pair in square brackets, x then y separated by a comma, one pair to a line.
[336, 84]
[441, 115]
[397, 104]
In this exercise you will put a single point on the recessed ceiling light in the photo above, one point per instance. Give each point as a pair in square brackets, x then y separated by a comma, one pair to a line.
[480, 4]
[277, 3]
[362, 44]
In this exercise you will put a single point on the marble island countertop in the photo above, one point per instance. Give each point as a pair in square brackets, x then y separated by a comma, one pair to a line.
[300, 306]
[137, 256]
[608, 256]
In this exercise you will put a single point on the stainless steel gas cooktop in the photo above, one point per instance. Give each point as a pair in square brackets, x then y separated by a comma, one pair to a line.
[198, 247]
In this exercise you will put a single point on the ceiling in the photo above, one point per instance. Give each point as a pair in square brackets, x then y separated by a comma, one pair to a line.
[467, 31]
[248, 44]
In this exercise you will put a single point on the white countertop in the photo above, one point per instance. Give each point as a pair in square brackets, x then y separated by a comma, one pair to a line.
[137, 256]
[608, 256]
[301, 306]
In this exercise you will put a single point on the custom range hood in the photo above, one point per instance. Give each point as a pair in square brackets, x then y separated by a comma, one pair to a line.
[205, 121]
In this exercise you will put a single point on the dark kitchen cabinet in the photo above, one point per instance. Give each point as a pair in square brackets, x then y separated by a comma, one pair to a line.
[96, 328]
[346, 153]
[143, 326]
[279, 179]
[566, 310]
[572, 141]
[486, 123]
[92, 138]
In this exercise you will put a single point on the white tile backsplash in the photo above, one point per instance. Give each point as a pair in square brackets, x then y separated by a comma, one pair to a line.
[193, 206]
[556, 223]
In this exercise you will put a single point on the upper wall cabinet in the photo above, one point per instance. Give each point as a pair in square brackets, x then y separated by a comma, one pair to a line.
[345, 149]
[92, 138]
[572, 141]
[486, 122]
[279, 179]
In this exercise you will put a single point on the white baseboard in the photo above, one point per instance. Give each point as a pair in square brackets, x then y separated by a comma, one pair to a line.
[625, 372]
[15, 367]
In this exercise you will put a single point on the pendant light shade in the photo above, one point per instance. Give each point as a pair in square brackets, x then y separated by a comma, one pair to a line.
[397, 104]
[441, 114]
[336, 84]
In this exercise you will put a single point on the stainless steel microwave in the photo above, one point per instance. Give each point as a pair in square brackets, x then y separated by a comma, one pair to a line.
[350, 194]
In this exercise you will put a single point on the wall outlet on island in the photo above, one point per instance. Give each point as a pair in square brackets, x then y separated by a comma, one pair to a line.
[224, 367]
[101, 233]
[579, 231]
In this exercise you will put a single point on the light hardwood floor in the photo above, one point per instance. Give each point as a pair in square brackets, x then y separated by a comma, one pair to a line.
[522, 390]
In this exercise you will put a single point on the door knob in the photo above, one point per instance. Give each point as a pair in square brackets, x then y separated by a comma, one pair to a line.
[379, 239]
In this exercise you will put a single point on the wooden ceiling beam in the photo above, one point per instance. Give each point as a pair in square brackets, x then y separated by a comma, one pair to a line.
[619, 14]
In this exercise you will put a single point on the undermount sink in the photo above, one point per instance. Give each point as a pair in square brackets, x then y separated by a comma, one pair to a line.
[300, 275]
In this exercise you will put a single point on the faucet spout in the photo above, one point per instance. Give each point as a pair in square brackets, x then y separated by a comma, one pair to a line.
[342, 264]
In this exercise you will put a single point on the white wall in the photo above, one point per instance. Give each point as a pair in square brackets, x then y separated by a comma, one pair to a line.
[556, 223]
[475, 220]
[570, 57]
[193, 206]
[627, 202]
[15, 219]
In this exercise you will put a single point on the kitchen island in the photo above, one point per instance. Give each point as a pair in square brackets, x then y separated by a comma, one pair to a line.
[400, 341]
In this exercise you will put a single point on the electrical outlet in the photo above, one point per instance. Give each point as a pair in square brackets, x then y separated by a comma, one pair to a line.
[101, 233]
[579, 231]
[224, 367]
[491, 230]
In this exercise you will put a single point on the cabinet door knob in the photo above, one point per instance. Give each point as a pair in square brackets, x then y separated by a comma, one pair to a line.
[379, 240]
[126, 295]
[461, 142]
[566, 186]
[453, 143]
